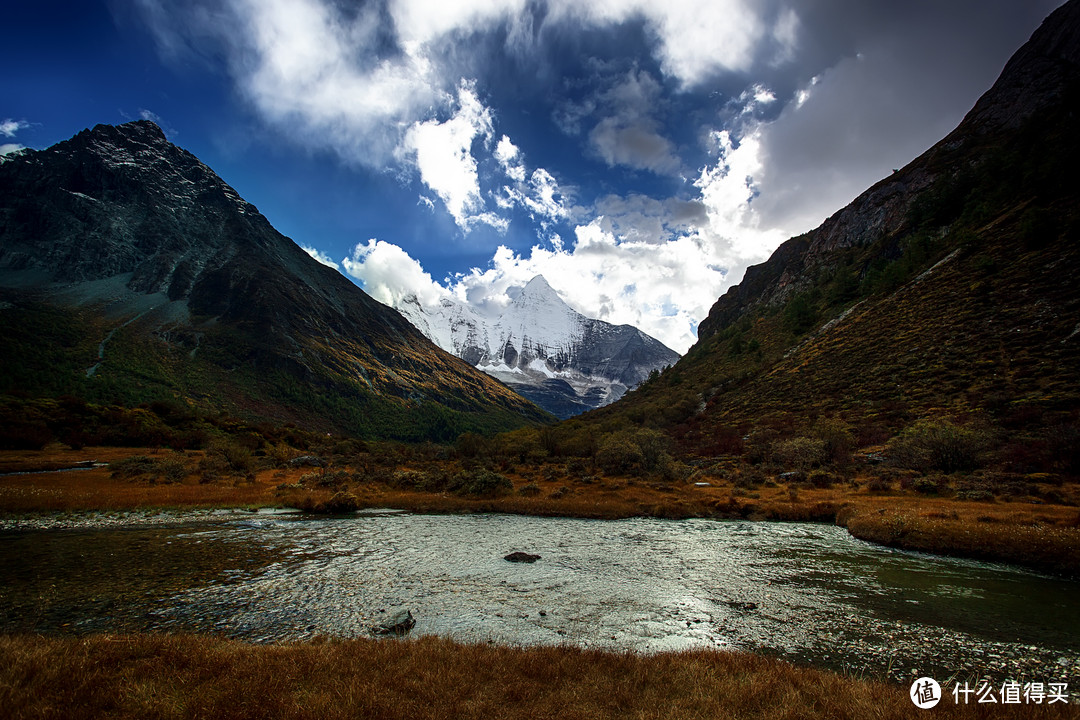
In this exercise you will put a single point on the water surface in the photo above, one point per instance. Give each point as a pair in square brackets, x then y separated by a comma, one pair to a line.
[808, 592]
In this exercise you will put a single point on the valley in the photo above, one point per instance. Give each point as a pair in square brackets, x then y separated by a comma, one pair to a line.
[233, 483]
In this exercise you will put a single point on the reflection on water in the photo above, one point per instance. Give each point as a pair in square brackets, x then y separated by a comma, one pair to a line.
[809, 592]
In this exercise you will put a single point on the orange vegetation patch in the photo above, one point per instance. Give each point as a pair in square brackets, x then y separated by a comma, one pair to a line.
[97, 489]
[169, 676]
[1042, 536]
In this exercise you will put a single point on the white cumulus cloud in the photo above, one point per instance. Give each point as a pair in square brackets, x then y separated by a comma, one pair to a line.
[662, 281]
[695, 39]
[443, 154]
[310, 69]
[390, 274]
[540, 194]
[320, 256]
[9, 127]
[657, 265]
[423, 22]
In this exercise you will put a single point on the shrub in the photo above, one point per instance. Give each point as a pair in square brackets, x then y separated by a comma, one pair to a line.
[878, 484]
[634, 452]
[581, 444]
[25, 436]
[618, 454]
[430, 481]
[1001, 483]
[483, 483]
[750, 478]
[134, 466]
[822, 479]
[471, 445]
[529, 490]
[576, 466]
[237, 457]
[339, 503]
[937, 445]
[194, 439]
[325, 478]
[653, 444]
[522, 446]
[349, 447]
[247, 440]
[838, 438]
[977, 495]
[280, 454]
[925, 486]
[225, 458]
[171, 470]
[800, 452]
[759, 445]
[799, 315]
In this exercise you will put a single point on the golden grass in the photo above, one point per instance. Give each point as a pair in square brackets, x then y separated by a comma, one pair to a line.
[185, 676]
[1045, 537]
[95, 489]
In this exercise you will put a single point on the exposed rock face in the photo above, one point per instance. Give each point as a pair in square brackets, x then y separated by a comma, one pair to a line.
[1035, 78]
[128, 228]
[541, 347]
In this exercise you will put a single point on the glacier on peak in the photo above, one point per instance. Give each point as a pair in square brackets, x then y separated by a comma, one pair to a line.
[560, 359]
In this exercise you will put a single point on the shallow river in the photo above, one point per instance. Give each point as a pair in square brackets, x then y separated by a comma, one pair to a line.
[808, 592]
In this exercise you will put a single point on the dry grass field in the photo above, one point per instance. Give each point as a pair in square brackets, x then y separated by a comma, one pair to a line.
[170, 676]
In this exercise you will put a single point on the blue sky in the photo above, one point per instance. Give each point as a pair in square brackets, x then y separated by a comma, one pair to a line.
[638, 153]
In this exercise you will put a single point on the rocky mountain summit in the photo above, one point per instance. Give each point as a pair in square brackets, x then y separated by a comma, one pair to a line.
[129, 271]
[545, 350]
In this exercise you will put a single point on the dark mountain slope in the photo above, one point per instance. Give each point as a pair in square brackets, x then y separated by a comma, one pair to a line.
[131, 272]
[946, 290]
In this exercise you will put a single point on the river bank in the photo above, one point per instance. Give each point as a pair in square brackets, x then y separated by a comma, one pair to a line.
[1026, 530]
[167, 676]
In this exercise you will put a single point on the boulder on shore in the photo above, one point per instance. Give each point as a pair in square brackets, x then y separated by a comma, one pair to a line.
[399, 623]
[521, 557]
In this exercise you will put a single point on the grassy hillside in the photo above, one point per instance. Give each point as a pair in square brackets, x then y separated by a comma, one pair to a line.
[49, 350]
[963, 311]
[126, 283]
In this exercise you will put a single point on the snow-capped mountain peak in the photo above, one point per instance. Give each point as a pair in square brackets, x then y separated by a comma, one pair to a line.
[549, 352]
[536, 290]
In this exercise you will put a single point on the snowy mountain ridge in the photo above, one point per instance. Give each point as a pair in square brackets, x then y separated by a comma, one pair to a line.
[544, 349]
